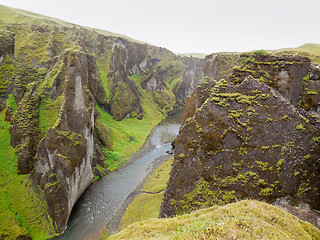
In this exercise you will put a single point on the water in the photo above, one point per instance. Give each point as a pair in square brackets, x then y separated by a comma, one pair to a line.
[102, 200]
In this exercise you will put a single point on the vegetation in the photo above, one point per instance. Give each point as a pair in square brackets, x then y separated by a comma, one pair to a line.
[196, 55]
[22, 205]
[147, 204]
[122, 133]
[241, 220]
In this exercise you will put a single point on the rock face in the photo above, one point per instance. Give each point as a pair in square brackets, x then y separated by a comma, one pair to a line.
[220, 65]
[6, 44]
[124, 99]
[248, 137]
[167, 78]
[191, 77]
[64, 157]
[55, 76]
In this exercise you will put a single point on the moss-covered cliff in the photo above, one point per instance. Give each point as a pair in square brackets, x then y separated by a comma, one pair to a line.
[250, 136]
[77, 102]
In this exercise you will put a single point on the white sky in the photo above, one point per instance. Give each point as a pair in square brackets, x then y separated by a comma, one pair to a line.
[184, 26]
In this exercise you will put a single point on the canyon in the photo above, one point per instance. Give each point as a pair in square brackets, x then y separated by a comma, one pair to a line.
[76, 103]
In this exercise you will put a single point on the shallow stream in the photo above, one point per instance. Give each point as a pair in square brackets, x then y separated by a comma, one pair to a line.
[100, 203]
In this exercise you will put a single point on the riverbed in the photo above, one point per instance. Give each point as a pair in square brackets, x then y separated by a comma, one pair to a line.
[102, 200]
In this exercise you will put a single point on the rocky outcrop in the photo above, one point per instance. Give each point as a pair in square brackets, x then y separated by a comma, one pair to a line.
[124, 98]
[283, 73]
[6, 44]
[64, 157]
[248, 137]
[220, 65]
[55, 85]
[190, 79]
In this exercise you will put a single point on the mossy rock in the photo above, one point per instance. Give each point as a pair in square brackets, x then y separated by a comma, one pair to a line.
[222, 145]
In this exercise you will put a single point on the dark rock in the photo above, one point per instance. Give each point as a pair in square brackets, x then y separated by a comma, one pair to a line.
[64, 157]
[191, 77]
[25, 132]
[173, 143]
[124, 99]
[220, 65]
[6, 44]
[246, 139]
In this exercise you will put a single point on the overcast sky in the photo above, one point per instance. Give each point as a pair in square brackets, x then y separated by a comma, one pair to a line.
[185, 26]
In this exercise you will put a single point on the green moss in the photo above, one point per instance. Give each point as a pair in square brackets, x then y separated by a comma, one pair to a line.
[7, 74]
[201, 197]
[312, 92]
[11, 103]
[23, 209]
[307, 156]
[121, 131]
[264, 166]
[303, 188]
[48, 113]
[261, 53]
[279, 164]
[265, 192]
[103, 71]
[300, 127]
[241, 220]
[174, 83]
[316, 139]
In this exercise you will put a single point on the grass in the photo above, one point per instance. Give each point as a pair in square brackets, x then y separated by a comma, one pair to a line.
[23, 211]
[310, 47]
[242, 220]
[104, 77]
[12, 103]
[49, 110]
[158, 180]
[12, 15]
[147, 204]
[310, 50]
[173, 83]
[121, 131]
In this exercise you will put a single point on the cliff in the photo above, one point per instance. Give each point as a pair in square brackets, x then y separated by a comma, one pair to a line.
[76, 100]
[250, 136]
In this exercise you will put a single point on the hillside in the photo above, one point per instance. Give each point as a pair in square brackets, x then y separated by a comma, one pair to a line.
[310, 50]
[242, 220]
[77, 102]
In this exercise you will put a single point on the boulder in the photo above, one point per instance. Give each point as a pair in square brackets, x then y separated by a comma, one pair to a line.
[245, 138]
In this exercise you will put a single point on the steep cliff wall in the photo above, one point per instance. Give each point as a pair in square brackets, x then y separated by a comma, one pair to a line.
[65, 90]
[250, 136]
[22, 204]
[63, 164]
[220, 65]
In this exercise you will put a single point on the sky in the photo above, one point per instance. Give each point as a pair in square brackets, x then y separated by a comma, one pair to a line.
[193, 26]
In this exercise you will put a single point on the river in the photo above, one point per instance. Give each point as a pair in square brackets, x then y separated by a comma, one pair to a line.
[100, 203]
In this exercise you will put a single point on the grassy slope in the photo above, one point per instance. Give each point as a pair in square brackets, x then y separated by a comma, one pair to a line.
[147, 204]
[13, 15]
[121, 131]
[25, 214]
[242, 220]
[311, 50]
